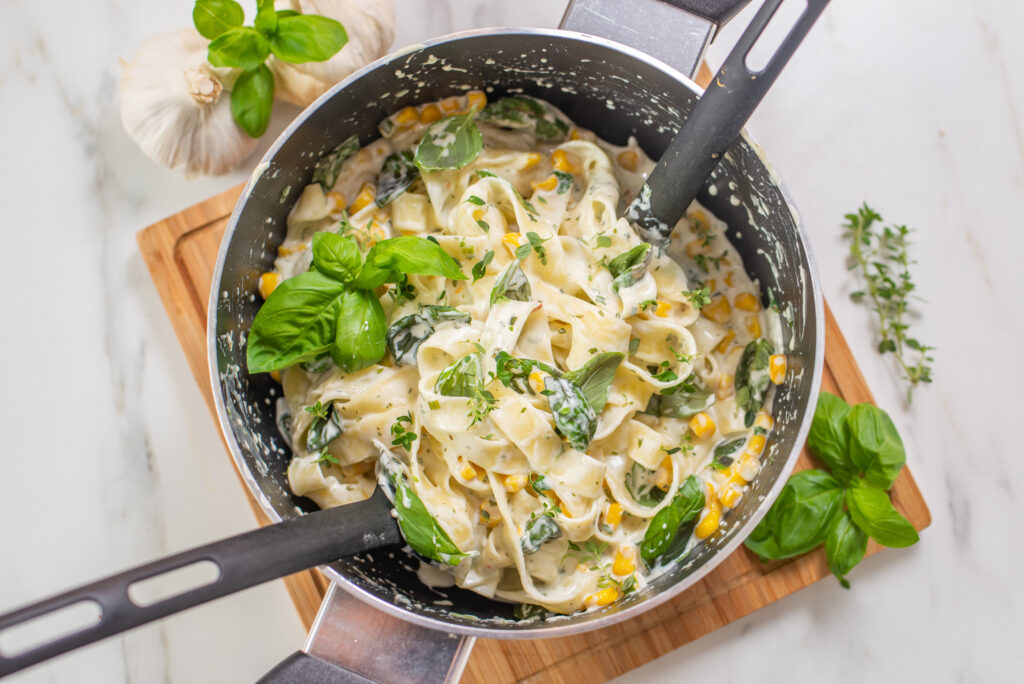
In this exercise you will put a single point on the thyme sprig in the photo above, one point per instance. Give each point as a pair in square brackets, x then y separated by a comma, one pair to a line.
[880, 253]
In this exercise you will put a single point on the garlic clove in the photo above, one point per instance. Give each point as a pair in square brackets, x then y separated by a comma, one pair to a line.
[177, 107]
[370, 25]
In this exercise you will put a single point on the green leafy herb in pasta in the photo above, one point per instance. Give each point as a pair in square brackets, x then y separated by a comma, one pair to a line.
[640, 483]
[594, 378]
[329, 166]
[628, 267]
[861, 447]
[752, 378]
[672, 526]
[396, 176]
[480, 267]
[526, 113]
[512, 284]
[574, 417]
[724, 452]
[450, 143]
[686, 399]
[881, 256]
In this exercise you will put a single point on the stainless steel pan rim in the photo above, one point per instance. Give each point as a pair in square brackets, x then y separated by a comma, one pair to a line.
[551, 627]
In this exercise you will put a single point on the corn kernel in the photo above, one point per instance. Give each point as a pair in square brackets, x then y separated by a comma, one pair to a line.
[276, 375]
[574, 134]
[613, 516]
[268, 283]
[511, 241]
[735, 476]
[696, 247]
[604, 597]
[713, 285]
[476, 98]
[561, 160]
[285, 250]
[754, 326]
[756, 444]
[514, 483]
[628, 159]
[747, 302]
[478, 214]
[624, 563]
[548, 183]
[764, 421]
[718, 310]
[336, 202]
[777, 368]
[450, 105]
[532, 159]
[724, 343]
[728, 279]
[662, 309]
[467, 471]
[698, 219]
[725, 383]
[406, 116]
[702, 424]
[713, 516]
[730, 496]
[430, 113]
[366, 195]
[748, 467]
[537, 381]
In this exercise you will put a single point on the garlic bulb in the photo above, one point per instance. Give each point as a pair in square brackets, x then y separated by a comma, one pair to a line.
[370, 25]
[175, 106]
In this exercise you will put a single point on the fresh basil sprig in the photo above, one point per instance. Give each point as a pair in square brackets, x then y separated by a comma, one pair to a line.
[332, 308]
[688, 398]
[863, 451]
[752, 378]
[288, 35]
[630, 266]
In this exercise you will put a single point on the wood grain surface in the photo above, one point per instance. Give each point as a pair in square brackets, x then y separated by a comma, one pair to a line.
[181, 251]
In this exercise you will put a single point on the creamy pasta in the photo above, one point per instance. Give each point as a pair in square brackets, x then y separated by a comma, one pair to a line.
[549, 406]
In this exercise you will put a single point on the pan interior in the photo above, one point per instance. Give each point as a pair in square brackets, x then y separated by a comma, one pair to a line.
[610, 90]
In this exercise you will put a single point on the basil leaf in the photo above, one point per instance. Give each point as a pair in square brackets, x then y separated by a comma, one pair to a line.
[595, 377]
[281, 14]
[252, 99]
[266, 18]
[335, 255]
[322, 431]
[442, 314]
[629, 267]
[421, 531]
[515, 373]
[511, 284]
[461, 378]
[397, 174]
[640, 484]
[686, 399]
[298, 322]
[565, 181]
[450, 143]
[526, 113]
[329, 166]
[405, 336]
[528, 611]
[875, 447]
[874, 513]
[752, 378]
[242, 47]
[800, 518]
[408, 255]
[214, 17]
[845, 546]
[361, 328]
[539, 529]
[574, 418]
[670, 528]
[307, 38]
[480, 267]
[724, 452]
[829, 438]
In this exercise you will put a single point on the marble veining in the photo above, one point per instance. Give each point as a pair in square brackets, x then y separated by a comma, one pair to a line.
[110, 456]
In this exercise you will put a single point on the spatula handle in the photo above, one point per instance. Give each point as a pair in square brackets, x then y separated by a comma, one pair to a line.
[714, 124]
[242, 562]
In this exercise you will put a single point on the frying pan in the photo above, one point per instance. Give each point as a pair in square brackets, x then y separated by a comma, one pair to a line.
[606, 86]
[601, 84]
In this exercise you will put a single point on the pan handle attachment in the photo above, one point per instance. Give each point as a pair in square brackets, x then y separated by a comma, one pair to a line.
[675, 31]
[242, 562]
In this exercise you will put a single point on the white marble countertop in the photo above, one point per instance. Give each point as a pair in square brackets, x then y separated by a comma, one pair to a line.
[915, 106]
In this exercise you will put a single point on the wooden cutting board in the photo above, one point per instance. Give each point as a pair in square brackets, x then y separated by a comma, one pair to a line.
[181, 251]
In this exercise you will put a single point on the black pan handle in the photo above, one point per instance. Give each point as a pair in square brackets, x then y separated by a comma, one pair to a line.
[243, 561]
[714, 124]
[716, 11]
